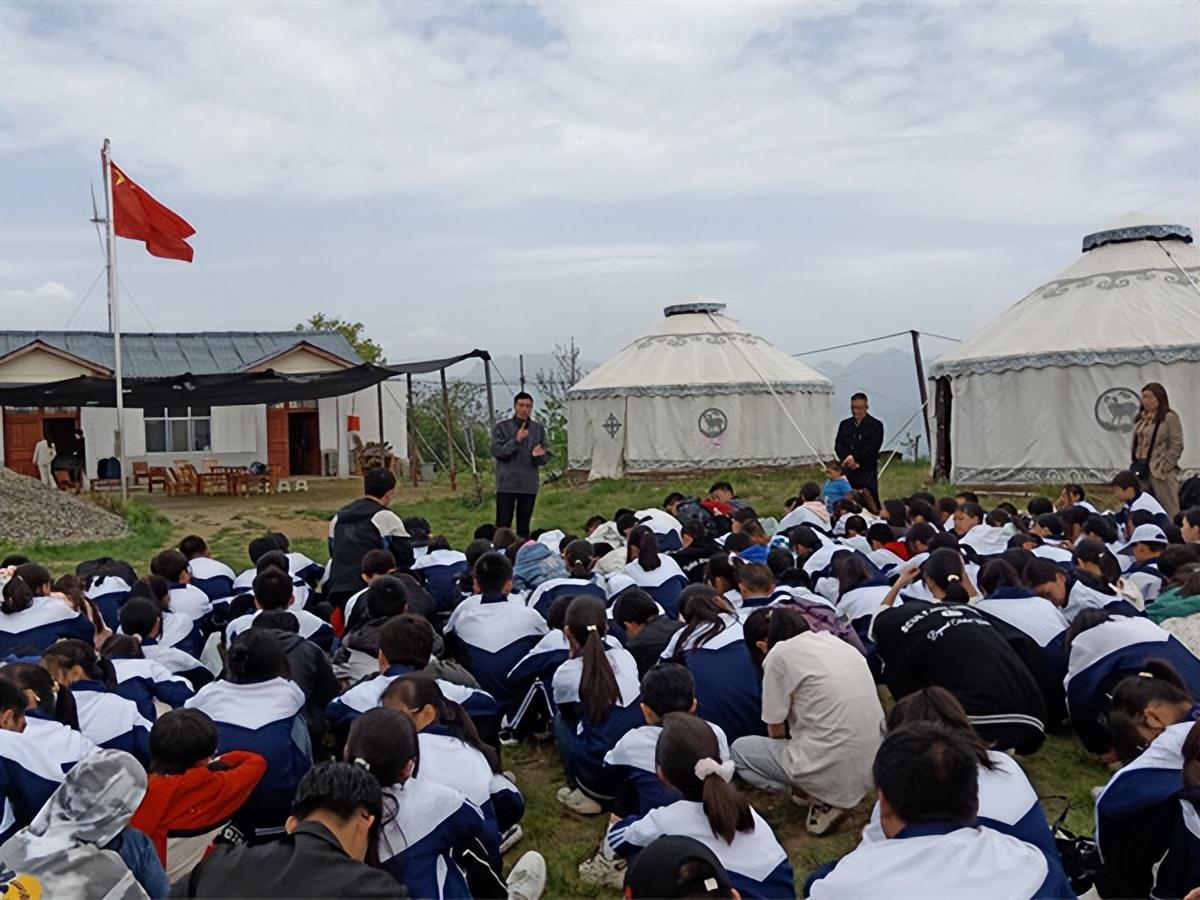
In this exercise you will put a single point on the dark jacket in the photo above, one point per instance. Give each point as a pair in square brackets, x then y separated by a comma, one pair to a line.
[693, 558]
[309, 668]
[307, 863]
[516, 466]
[360, 526]
[862, 440]
[651, 641]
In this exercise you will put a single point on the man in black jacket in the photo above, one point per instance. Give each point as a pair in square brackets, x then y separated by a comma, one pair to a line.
[360, 526]
[859, 440]
[333, 823]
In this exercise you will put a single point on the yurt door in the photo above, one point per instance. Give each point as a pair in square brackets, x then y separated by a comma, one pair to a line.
[609, 427]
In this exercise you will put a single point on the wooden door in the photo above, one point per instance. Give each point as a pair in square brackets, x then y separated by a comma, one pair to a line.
[23, 429]
[277, 440]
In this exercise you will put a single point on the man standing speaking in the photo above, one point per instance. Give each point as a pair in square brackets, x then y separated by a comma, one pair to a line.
[859, 440]
[519, 445]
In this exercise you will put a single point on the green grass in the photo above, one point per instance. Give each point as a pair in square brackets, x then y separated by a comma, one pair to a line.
[1060, 768]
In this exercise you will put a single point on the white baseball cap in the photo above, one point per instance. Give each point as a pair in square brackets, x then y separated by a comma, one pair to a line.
[1144, 534]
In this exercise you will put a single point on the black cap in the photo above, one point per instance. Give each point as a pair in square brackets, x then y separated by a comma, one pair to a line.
[675, 866]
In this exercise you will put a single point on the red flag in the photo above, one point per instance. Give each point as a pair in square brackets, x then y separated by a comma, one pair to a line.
[139, 216]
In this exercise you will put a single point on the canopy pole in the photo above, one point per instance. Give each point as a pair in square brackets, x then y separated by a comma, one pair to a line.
[449, 431]
[916, 345]
[114, 312]
[379, 411]
[487, 380]
[412, 433]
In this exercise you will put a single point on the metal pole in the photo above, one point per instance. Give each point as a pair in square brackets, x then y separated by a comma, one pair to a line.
[449, 432]
[412, 433]
[521, 363]
[916, 344]
[114, 312]
[487, 379]
[379, 410]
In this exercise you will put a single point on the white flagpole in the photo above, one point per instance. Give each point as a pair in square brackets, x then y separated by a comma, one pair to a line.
[114, 312]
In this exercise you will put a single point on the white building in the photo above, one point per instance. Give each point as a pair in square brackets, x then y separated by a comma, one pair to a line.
[1047, 392]
[296, 438]
[698, 392]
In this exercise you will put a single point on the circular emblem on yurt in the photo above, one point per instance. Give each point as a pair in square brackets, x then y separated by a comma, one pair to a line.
[1116, 409]
[713, 422]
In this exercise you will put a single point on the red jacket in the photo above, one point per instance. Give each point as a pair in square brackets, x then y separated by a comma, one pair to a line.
[202, 798]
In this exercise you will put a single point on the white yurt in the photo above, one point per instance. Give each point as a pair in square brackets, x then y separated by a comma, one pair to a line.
[698, 392]
[1047, 392]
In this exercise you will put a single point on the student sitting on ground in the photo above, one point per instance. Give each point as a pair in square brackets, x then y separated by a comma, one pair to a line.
[577, 556]
[31, 773]
[439, 568]
[192, 792]
[30, 619]
[647, 629]
[657, 575]
[927, 780]
[1145, 545]
[823, 720]
[186, 599]
[698, 547]
[105, 717]
[711, 811]
[142, 680]
[177, 631]
[1094, 559]
[710, 644]
[1127, 488]
[51, 720]
[256, 708]
[142, 618]
[209, 575]
[307, 666]
[452, 754]
[596, 693]
[1076, 590]
[273, 589]
[375, 564]
[723, 574]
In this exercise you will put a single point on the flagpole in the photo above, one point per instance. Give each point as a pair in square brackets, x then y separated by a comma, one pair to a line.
[114, 312]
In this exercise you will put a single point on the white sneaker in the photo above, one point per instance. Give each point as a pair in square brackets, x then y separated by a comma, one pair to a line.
[511, 838]
[527, 880]
[578, 802]
[603, 869]
[823, 818]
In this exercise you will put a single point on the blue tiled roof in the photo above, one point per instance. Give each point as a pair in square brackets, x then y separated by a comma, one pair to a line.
[160, 355]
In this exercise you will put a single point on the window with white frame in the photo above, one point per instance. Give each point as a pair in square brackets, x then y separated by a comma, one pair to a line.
[178, 429]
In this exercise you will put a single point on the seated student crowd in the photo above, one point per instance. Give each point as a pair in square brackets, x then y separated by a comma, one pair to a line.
[667, 653]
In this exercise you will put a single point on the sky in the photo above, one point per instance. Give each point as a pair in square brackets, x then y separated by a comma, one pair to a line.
[507, 176]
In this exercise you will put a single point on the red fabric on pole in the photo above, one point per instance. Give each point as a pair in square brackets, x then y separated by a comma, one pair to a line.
[139, 216]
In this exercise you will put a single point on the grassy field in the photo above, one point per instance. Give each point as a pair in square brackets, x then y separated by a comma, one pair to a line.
[1060, 769]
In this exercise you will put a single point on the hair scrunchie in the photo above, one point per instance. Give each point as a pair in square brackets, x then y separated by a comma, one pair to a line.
[709, 766]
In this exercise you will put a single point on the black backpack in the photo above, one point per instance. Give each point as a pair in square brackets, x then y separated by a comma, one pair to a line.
[1189, 493]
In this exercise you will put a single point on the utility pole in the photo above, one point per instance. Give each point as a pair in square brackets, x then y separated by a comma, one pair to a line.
[916, 345]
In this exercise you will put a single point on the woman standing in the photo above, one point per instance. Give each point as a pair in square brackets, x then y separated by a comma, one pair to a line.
[1157, 447]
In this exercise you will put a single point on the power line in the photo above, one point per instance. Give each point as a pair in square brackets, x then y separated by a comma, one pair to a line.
[884, 337]
[83, 299]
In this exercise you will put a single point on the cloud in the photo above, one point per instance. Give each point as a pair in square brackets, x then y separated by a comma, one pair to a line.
[50, 292]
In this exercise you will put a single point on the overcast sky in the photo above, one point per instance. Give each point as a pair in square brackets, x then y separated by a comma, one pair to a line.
[508, 175]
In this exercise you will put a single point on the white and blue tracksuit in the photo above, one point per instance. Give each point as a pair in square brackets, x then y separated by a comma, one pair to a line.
[728, 691]
[490, 634]
[213, 577]
[668, 530]
[312, 628]
[263, 718]
[533, 675]
[1081, 595]
[1045, 625]
[1147, 833]
[757, 865]
[663, 584]
[143, 681]
[109, 593]
[305, 570]
[859, 605]
[342, 711]
[631, 766]
[177, 662]
[30, 631]
[1147, 578]
[440, 570]
[582, 744]
[244, 584]
[28, 776]
[60, 744]
[432, 824]
[550, 590]
[111, 721]
[1101, 656]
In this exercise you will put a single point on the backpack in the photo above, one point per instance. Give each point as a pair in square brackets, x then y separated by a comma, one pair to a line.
[1189, 493]
[89, 570]
[692, 508]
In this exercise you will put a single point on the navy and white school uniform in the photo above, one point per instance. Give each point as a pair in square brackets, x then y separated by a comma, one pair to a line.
[489, 635]
[1045, 626]
[213, 577]
[263, 718]
[533, 675]
[144, 681]
[802, 515]
[667, 529]
[61, 744]
[365, 695]
[937, 861]
[859, 605]
[1140, 814]
[111, 721]
[46, 620]
[664, 584]
[244, 584]
[109, 593]
[1148, 502]
[301, 568]
[631, 765]
[191, 601]
[1009, 804]
[857, 542]
[351, 606]
[432, 824]
[757, 865]
[884, 559]
[582, 744]
[728, 691]
[1147, 578]
[441, 570]
[177, 662]
[1058, 555]
[550, 590]
[1081, 595]
[312, 628]
[986, 540]
[1101, 656]
[28, 776]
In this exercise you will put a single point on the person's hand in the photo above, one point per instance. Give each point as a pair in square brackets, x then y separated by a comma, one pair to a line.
[539, 450]
[908, 576]
[849, 462]
[522, 433]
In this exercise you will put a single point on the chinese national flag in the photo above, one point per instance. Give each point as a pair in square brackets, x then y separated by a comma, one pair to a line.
[139, 216]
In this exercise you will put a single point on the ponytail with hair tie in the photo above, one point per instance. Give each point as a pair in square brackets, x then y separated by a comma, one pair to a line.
[709, 766]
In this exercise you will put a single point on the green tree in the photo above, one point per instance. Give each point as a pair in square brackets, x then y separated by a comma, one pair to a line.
[353, 332]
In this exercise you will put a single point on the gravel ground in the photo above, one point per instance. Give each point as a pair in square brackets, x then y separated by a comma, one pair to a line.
[30, 512]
